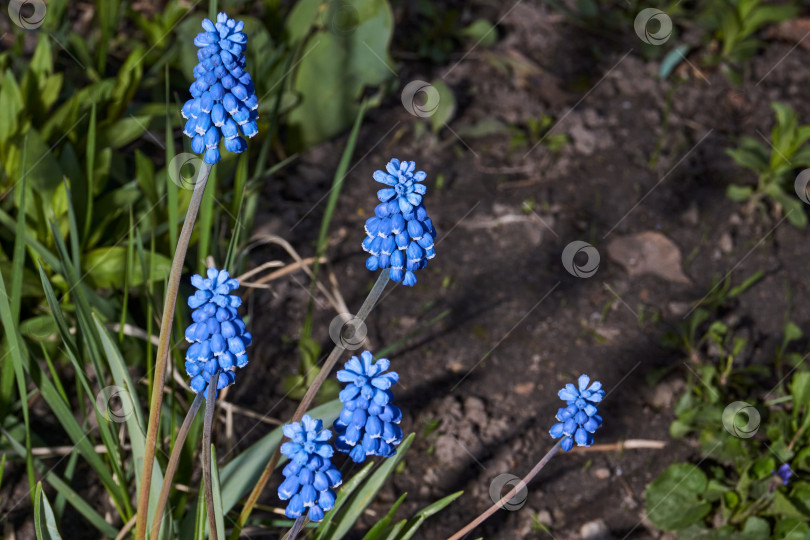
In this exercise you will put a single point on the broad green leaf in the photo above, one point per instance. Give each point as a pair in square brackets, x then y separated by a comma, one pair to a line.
[790, 529]
[107, 266]
[44, 520]
[334, 69]
[673, 499]
[39, 165]
[301, 18]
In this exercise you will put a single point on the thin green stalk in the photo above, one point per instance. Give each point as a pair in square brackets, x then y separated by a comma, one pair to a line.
[174, 460]
[514, 491]
[312, 391]
[296, 528]
[211, 400]
[164, 342]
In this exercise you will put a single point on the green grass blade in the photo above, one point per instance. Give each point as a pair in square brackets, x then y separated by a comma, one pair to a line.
[75, 500]
[91, 166]
[44, 520]
[380, 528]
[240, 474]
[18, 259]
[19, 359]
[347, 489]
[73, 227]
[334, 193]
[171, 187]
[7, 373]
[364, 496]
[432, 509]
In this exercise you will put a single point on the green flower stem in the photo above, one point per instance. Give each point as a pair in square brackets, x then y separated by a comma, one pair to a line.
[210, 402]
[163, 349]
[174, 460]
[498, 505]
[296, 528]
[312, 391]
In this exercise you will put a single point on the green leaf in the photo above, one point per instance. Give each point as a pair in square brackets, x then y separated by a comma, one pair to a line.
[672, 59]
[336, 67]
[379, 528]
[75, 500]
[348, 516]
[793, 207]
[444, 108]
[800, 390]
[44, 520]
[673, 499]
[128, 394]
[790, 529]
[301, 19]
[482, 32]
[107, 267]
[124, 131]
[756, 528]
[420, 517]
[739, 193]
[346, 491]
[240, 474]
[11, 105]
[782, 506]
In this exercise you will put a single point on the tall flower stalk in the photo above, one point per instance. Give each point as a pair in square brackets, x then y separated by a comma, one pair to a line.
[576, 423]
[399, 239]
[162, 357]
[223, 107]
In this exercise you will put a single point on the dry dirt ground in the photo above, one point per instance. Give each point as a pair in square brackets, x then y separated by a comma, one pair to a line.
[518, 325]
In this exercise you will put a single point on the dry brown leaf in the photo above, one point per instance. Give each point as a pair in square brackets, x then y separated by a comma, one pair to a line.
[648, 252]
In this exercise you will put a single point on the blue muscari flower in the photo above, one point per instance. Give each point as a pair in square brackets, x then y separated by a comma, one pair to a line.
[224, 102]
[400, 235]
[367, 425]
[579, 419]
[309, 477]
[784, 473]
[218, 337]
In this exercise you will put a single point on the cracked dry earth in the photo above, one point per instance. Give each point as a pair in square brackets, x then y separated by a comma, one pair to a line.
[479, 386]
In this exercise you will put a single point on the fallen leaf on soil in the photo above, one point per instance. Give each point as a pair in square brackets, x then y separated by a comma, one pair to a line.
[794, 31]
[648, 253]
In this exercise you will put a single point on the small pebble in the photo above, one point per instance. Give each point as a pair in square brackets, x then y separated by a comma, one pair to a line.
[595, 530]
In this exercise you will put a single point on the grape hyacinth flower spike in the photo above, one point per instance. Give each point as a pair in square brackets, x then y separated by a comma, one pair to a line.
[579, 419]
[218, 337]
[400, 235]
[310, 476]
[224, 103]
[367, 425]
